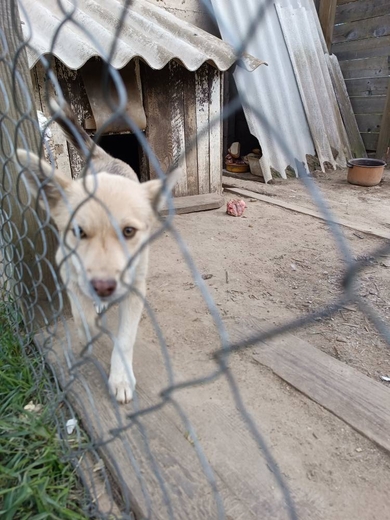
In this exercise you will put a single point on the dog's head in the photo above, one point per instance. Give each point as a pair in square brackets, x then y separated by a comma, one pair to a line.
[103, 222]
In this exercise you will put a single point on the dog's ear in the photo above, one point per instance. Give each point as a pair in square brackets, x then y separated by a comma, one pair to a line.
[158, 191]
[40, 176]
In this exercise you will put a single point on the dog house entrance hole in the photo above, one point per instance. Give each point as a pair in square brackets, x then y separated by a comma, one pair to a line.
[124, 147]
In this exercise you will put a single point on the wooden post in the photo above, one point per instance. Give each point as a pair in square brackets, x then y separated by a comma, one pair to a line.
[382, 151]
[28, 245]
[327, 15]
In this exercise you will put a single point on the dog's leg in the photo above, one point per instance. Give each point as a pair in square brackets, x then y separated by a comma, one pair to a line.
[122, 381]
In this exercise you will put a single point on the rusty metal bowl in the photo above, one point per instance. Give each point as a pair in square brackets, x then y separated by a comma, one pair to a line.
[365, 172]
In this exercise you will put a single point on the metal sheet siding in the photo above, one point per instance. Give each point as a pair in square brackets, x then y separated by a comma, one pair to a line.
[272, 99]
[149, 32]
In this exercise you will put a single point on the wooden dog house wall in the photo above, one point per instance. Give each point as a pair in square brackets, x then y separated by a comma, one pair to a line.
[182, 122]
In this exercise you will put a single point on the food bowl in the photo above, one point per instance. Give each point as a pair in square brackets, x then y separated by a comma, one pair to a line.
[365, 172]
[237, 168]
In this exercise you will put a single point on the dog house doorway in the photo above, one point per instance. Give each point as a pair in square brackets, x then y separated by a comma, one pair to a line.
[124, 147]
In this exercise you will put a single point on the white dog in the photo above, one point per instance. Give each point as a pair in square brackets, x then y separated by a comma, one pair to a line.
[104, 222]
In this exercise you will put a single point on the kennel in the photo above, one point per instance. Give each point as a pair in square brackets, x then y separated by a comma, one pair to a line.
[172, 71]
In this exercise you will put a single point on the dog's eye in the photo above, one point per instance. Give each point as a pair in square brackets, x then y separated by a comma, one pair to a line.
[79, 232]
[129, 232]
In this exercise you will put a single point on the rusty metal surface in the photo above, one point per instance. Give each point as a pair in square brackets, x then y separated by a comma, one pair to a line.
[149, 32]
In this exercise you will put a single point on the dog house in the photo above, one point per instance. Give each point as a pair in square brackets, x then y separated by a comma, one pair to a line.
[172, 73]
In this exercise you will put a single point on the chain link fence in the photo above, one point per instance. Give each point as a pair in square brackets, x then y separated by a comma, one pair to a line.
[117, 436]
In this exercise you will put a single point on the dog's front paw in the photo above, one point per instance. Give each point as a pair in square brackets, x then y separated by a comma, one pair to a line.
[122, 388]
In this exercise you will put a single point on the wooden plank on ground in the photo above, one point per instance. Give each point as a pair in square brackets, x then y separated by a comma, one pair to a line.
[355, 398]
[384, 133]
[362, 29]
[355, 140]
[363, 228]
[147, 455]
[193, 203]
[361, 10]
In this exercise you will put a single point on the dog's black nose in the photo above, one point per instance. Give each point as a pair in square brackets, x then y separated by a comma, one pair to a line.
[103, 287]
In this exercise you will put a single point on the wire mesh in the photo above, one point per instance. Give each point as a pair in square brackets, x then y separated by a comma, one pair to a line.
[31, 285]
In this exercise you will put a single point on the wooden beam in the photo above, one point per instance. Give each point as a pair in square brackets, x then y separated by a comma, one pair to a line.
[33, 278]
[363, 228]
[355, 398]
[193, 203]
[382, 151]
[327, 15]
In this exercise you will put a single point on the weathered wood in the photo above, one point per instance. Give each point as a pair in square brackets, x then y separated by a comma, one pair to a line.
[73, 89]
[370, 140]
[384, 134]
[355, 398]
[355, 140]
[190, 131]
[33, 279]
[58, 144]
[367, 48]
[176, 91]
[126, 456]
[202, 122]
[368, 104]
[158, 115]
[193, 203]
[361, 10]
[366, 68]
[367, 86]
[368, 122]
[362, 29]
[326, 14]
[215, 112]
[363, 228]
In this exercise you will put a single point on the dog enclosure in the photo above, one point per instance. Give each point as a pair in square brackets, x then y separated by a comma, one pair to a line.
[178, 450]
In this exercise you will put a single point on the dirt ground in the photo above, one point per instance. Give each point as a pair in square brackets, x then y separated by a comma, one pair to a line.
[272, 266]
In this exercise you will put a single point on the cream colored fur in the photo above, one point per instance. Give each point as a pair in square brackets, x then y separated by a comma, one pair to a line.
[103, 206]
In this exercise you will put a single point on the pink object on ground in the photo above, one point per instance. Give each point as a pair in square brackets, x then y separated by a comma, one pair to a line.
[235, 207]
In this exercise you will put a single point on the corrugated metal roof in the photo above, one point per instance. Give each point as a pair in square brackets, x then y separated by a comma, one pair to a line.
[273, 90]
[149, 32]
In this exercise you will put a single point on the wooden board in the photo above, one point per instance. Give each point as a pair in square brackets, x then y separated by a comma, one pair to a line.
[384, 134]
[363, 228]
[190, 132]
[367, 86]
[355, 398]
[202, 121]
[369, 122]
[370, 140]
[215, 136]
[355, 140]
[366, 67]
[368, 104]
[326, 14]
[193, 203]
[176, 90]
[247, 176]
[362, 29]
[367, 48]
[133, 466]
[351, 11]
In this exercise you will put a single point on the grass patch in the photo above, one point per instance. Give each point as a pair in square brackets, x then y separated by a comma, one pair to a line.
[36, 482]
